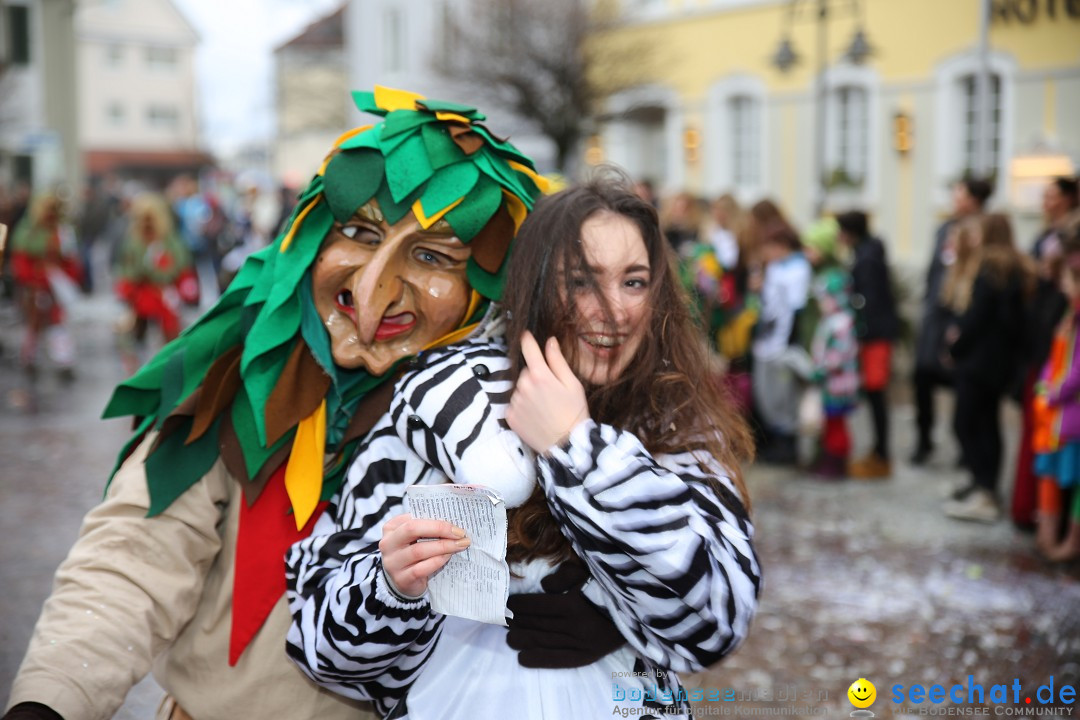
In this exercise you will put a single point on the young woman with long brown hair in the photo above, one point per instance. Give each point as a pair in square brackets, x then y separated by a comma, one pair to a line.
[639, 494]
[987, 287]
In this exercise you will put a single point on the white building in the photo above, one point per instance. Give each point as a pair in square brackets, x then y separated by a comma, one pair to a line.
[312, 89]
[137, 95]
[38, 135]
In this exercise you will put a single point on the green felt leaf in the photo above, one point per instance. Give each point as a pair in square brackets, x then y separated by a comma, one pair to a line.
[402, 121]
[259, 380]
[173, 467]
[172, 386]
[473, 213]
[502, 174]
[441, 148]
[407, 168]
[129, 447]
[488, 285]
[447, 186]
[365, 102]
[392, 210]
[445, 106]
[368, 139]
[351, 180]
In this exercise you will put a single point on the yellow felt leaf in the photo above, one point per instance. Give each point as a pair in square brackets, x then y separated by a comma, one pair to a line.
[304, 473]
[542, 183]
[453, 117]
[391, 99]
[296, 225]
[516, 208]
[426, 222]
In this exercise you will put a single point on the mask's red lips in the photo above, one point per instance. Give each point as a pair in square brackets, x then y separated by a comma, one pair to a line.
[394, 325]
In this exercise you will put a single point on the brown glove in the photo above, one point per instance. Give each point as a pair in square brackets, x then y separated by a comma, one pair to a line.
[560, 628]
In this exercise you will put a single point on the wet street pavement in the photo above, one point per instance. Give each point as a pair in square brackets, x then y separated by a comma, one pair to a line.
[862, 579]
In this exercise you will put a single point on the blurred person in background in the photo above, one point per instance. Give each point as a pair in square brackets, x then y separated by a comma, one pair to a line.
[1060, 197]
[99, 206]
[680, 220]
[986, 288]
[877, 326]
[725, 215]
[154, 275]
[13, 205]
[834, 353]
[969, 196]
[645, 190]
[44, 264]
[1046, 310]
[819, 245]
[776, 371]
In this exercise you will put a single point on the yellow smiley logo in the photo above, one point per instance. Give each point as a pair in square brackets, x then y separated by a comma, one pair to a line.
[862, 693]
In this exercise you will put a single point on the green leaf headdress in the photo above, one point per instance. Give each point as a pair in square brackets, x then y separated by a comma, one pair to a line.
[253, 381]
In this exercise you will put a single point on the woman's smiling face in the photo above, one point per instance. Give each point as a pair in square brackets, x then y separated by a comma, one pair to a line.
[617, 259]
[385, 292]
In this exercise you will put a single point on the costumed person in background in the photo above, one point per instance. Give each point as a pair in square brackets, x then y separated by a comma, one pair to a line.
[45, 267]
[820, 246]
[246, 423]
[638, 489]
[1060, 198]
[1056, 417]
[154, 275]
[877, 326]
[834, 352]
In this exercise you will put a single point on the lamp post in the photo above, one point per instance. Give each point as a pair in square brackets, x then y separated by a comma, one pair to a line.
[786, 57]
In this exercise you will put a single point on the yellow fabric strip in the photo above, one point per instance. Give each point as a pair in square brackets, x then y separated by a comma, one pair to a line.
[453, 117]
[390, 99]
[304, 473]
[516, 208]
[427, 222]
[296, 225]
[542, 183]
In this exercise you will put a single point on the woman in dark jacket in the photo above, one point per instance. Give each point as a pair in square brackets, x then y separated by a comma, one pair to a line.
[987, 287]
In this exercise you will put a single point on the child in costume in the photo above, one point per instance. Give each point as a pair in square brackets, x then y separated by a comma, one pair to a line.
[1056, 433]
[247, 421]
[835, 355]
[153, 274]
[43, 261]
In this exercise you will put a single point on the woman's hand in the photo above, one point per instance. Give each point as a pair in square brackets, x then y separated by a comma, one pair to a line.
[409, 563]
[549, 400]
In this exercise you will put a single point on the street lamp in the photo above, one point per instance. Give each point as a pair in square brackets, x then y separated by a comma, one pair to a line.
[786, 57]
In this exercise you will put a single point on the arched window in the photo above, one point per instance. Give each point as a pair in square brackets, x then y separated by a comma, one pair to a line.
[735, 137]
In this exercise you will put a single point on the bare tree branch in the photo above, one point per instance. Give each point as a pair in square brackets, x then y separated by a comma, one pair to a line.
[536, 60]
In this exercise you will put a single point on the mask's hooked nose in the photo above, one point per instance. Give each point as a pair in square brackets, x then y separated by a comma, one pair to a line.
[377, 288]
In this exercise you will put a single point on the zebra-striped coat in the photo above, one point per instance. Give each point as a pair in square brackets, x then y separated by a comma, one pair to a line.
[666, 540]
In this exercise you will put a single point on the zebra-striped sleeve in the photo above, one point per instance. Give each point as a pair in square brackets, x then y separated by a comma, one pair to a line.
[667, 540]
[351, 633]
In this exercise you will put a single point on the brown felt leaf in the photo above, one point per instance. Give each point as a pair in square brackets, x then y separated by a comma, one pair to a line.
[489, 246]
[298, 392]
[229, 449]
[218, 390]
[253, 489]
[466, 139]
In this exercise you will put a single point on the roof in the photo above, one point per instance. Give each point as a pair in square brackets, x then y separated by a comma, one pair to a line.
[326, 32]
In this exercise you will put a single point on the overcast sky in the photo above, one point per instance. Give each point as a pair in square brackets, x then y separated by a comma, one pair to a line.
[234, 61]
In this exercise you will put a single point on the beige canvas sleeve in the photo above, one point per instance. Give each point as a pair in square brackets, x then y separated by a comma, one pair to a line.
[127, 588]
